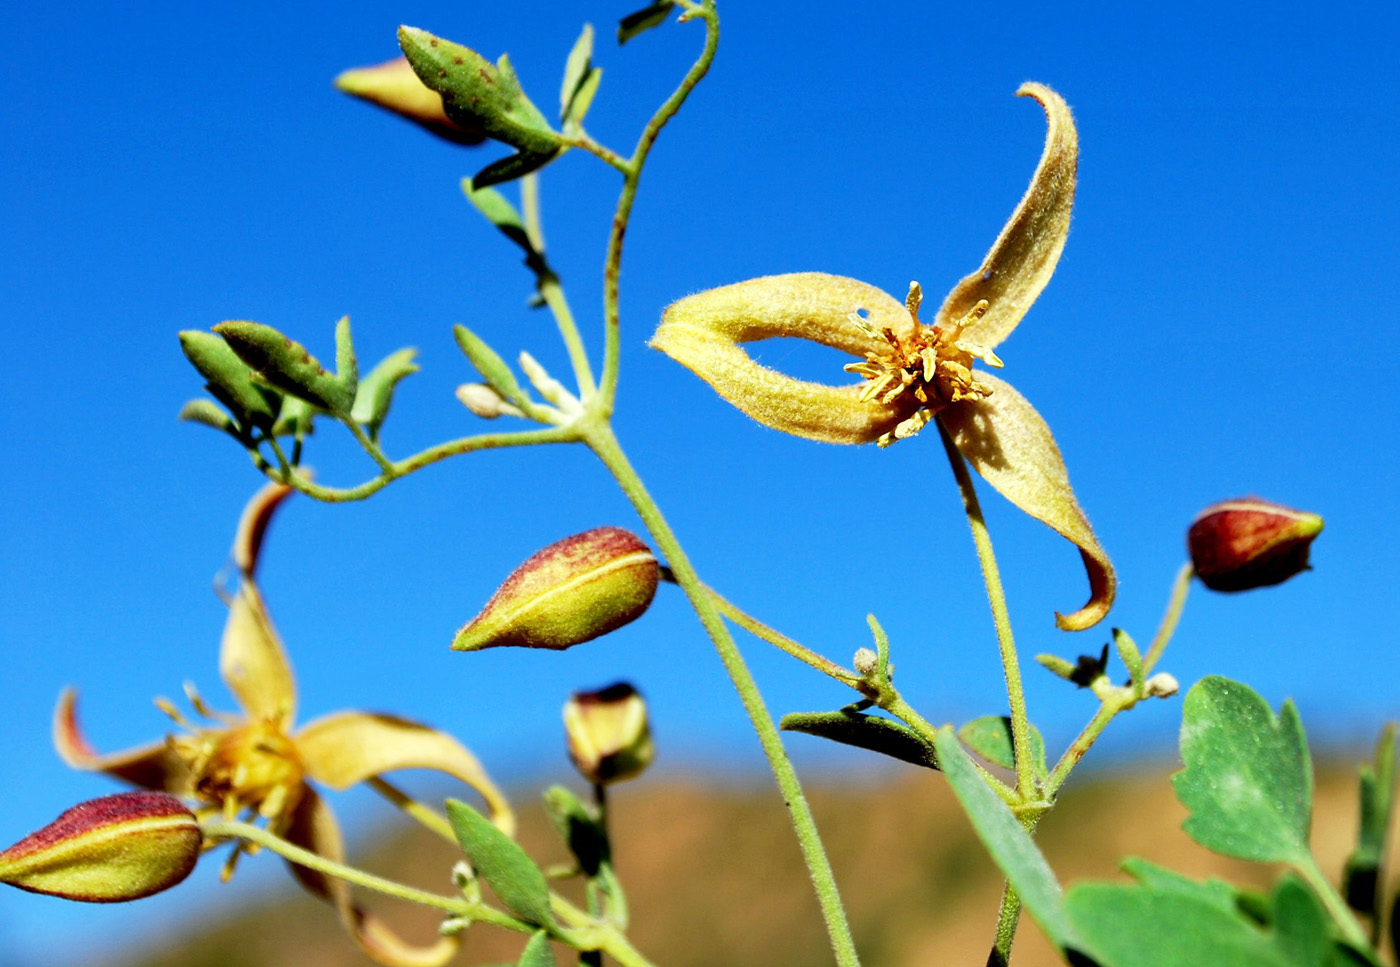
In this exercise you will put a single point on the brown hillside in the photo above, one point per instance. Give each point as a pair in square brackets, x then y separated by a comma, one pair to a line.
[714, 879]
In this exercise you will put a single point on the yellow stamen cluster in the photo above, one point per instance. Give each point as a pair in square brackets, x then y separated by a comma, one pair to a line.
[931, 365]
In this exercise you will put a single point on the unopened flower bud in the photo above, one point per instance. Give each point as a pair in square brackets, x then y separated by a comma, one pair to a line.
[570, 592]
[609, 738]
[108, 850]
[864, 662]
[1236, 545]
[395, 87]
[485, 402]
[1161, 685]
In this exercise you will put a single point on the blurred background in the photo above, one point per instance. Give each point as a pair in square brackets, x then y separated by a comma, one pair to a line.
[1223, 323]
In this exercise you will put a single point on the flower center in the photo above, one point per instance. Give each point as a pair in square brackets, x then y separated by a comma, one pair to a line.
[243, 766]
[929, 368]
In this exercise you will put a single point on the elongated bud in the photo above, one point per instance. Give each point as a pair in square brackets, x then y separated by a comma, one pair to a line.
[485, 402]
[609, 738]
[395, 86]
[570, 592]
[1249, 543]
[108, 850]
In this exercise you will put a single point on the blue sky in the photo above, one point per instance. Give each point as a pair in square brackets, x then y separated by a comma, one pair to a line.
[1223, 322]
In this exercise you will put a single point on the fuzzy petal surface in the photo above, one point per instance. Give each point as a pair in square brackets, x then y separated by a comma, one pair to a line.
[1008, 443]
[253, 663]
[1025, 253]
[149, 766]
[346, 748]
[706, 332]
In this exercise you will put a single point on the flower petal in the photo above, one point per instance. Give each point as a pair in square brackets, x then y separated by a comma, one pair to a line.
[253, 663]
[252, 526]
[1008, 443]
[704, 333]
[349, 747]
[312, 826]
[149, 767]
[1024, 255]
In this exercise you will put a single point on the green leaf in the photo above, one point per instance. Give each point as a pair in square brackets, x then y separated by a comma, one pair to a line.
[578, 826]
[286, 365]
[537, 952]
[347, 369]
[1162, 880]
[1128, 652]
[1248, 778]
[849, 727]
[228, 379]
[492, 367]
[376, 391]
[1009, 844]
[501, 863]
[648, 17]
[204, 411]
[583, 99]
[1362, 878]
[295, 418]
[510, 168]
[990, 737]
[476, 93]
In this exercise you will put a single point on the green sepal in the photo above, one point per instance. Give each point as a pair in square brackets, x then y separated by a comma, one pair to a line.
[287, 365]
[1248, 778]
[295, 418]
[652, 15]
[476, 94]
[990, 737]
[492, 367]
[577, 825]
[347, 368]
[500, 861]
[498, 210]
[537, 952]
[1362, 876]
[1010, 846]
[580, 80]
[228, 379]
[850, 727]
[1128, 652]
[206, 412]
[376, 391]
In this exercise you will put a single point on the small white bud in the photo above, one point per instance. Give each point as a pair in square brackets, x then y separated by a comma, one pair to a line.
[484, 401]
[864, 662]
[1162, 685]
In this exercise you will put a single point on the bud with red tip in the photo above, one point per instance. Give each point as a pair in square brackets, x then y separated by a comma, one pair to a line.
[570, 592]
[1249, 543]
[609, 737]
[108, 850]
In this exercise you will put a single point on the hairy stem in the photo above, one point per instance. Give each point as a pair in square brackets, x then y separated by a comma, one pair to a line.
[429, 818]
[600, 438]
[991, 576]
[1167, 628]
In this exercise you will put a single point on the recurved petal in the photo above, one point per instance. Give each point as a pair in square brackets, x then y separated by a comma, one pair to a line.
[149, 767]
[252, 526]
[706, 332]
[343, 749]
[312, 826]
[1007, 442]
[1024, 255]
[252, 661]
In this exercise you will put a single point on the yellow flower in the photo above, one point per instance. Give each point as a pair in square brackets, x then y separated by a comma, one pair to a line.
[914, 373]
[258, 765]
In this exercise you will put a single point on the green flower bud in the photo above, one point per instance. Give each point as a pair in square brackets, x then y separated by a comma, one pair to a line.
[570, 592]
[1237, 545]
[609, 738]
[108, 850]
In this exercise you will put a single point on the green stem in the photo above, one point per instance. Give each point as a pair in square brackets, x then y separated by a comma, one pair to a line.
[612, 265]
[1008, 918]
[891, 701]
[1341, 914]
[452, 448]
[314, 861]
[774, 637]
[551, 290]
[991, 576]
[1085, 740]
[428, 818]
[1167, 628]
[599, 436]
[362, 438]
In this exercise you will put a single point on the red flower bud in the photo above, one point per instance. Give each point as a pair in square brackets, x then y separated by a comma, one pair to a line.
[108, 850]
[1236, 545]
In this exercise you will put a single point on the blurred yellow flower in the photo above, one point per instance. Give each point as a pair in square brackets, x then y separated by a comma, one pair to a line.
[257, 764]
[914, 373]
